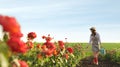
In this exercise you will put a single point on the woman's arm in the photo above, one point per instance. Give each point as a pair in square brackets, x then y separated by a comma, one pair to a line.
[99, 40]
[90, 41]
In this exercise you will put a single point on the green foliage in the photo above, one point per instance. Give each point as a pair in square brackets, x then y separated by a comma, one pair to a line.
[112, 55]
[116, 56]
[54, 61]
[59, 61]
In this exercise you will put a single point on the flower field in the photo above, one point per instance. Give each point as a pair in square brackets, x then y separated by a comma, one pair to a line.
[16, 53]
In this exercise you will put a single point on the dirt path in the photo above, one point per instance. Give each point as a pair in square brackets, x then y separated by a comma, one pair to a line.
[87, 62]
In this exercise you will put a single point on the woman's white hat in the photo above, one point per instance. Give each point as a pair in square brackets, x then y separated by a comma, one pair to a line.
[92, 28]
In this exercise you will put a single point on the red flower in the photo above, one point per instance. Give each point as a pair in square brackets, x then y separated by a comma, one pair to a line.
[17, 35]
[16, 45]
[70, 50]
[44, 47]
[9, 24]
[32, 35]
[50, 45]
[30, 45]
[23, 63]
[50, 48]
[48, 39]
[61, 44]
[55, 52]
[48, 53]
[39, 56]
[43, 37]
[38, 46]
[66, 56]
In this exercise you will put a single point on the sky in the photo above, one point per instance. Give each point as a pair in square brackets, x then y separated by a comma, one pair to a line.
[69, 19]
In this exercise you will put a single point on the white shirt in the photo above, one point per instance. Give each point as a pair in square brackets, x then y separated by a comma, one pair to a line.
[95, 40]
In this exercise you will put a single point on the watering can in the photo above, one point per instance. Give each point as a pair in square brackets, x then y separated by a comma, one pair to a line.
[102, 51]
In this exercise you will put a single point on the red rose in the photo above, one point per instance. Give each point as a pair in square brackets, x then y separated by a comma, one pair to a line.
[16, 45]
[48, 38]
[32, 35]
[43, 37]
[39, 56]
[70, 50]
[61, 44]
[44, 47]
[30, 45]
[66, 56]
[55, 52]
[38, 46]
[50, 48]
[17, 35]
[23, 63]
[50, 45]
[9, 24]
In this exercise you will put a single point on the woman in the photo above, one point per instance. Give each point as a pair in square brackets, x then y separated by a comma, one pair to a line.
[95, 42]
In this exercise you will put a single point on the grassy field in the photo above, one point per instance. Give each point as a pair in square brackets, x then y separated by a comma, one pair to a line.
[107, 46]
